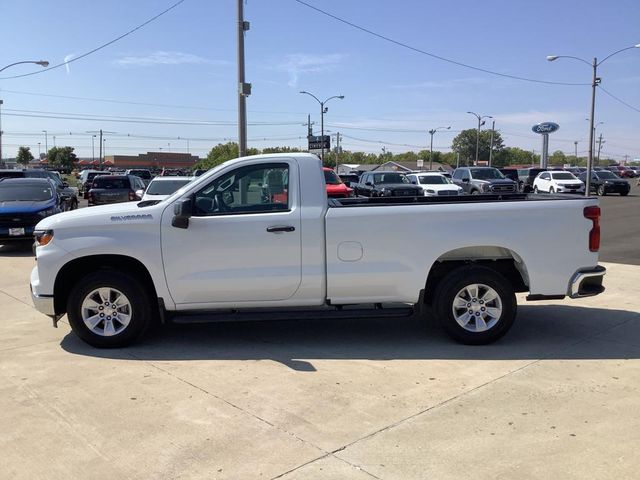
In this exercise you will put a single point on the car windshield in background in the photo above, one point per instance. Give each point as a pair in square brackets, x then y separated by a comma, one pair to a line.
[563, 176]
[330, 178]
[112, 183]
[486, 173]
[144, 174]
[434, 180]
[92, 175]
[608, 175]
[25, 193]
[390, 178]
[165, 187]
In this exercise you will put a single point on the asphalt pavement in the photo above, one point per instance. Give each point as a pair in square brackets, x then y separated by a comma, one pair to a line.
[620, 227]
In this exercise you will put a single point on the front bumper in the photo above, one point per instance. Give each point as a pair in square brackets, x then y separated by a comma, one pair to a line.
[587, 282]
[43, 303]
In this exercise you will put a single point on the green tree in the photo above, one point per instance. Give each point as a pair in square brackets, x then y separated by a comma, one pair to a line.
[221, 153]
[62, 157]
[280, 150]
[24, 156]
[512, 156]
[558, 158]
[465, 143]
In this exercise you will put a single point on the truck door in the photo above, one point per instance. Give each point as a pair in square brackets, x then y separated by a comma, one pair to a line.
[242, 243]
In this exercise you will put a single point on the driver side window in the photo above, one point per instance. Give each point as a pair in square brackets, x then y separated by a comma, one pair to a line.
[261, 188]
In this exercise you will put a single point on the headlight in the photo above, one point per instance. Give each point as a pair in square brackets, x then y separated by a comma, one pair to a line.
[485, 187]
[430, 191]
[47, 212]
[43, 237]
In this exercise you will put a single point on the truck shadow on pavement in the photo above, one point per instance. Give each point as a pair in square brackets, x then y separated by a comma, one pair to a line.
[540, 332]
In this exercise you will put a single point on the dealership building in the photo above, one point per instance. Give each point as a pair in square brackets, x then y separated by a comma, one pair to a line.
[152, 160]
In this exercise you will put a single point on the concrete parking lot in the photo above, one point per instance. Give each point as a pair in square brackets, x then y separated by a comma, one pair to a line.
[556, 398]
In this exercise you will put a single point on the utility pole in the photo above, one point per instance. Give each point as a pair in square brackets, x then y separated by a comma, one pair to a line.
[309, 129]
[600, 142]
[338, 150]
[244, 89]
[493, 127]
[93, 151]
[575, 144]
[100, 149]
[46, 144]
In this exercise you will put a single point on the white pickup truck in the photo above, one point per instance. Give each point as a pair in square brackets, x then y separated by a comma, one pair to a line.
[258, 238]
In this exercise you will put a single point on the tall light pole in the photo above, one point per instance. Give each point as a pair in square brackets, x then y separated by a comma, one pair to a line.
[244, 89]
[42, 63]
[46, 143]
[480, 123]
[493, 129]
[432, 132]
[93, 150]
[39, 153]
[323, 110]
[594, 83]
[575, 144]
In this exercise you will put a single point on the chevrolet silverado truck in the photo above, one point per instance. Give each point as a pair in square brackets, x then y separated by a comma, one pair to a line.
[257, 238]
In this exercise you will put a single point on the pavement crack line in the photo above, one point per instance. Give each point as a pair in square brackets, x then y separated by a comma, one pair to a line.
[17, 299]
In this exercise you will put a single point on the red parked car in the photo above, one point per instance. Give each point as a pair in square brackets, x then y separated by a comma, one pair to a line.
[623, 171]
[335, 187]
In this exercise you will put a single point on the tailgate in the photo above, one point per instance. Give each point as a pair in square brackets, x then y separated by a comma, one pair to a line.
[100, 195]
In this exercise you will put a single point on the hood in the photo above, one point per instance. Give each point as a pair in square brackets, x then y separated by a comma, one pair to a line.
[438, 187]
[335, 188]
[102, 215]
[26, 207]
[398, 186]
[568, 182]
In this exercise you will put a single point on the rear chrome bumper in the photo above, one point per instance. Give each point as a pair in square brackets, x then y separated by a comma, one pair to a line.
[587, 282]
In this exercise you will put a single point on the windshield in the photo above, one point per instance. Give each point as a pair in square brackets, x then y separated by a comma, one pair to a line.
[330, 178]
[434, 180]
[25, 193]
[165, 187]
[146, 174]
[563, 176]
[92, 175]
[486, 173]
[390, 178]
[112, 183]
[607, 175]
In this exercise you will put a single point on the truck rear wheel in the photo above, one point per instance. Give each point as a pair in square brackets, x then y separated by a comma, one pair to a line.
[475, 305]
[109, 309]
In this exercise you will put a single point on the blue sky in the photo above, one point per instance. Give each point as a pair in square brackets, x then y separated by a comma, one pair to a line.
[184, 64]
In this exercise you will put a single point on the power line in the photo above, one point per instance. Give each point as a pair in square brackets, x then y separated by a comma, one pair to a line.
[101, 46]
[432, 55]
[619, 100]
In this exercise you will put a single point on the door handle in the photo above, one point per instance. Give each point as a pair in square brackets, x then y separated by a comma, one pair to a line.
[280, 228]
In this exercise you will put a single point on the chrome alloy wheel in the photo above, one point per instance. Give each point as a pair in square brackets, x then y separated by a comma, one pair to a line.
[477, 307]
[106, 311]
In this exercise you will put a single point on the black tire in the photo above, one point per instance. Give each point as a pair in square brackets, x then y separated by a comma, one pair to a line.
[624, 194]
[475, 192]
[601, 191]
[74, 204]
[454, 283]
[140, 308]
[551, 191]
[535, 189]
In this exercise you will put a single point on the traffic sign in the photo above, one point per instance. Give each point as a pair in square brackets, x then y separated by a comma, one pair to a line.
[320, 142]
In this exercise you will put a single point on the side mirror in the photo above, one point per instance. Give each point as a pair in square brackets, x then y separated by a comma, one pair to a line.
[139, 194]
[414, 182]
[465, 180]
[65, 184]
[181, 213]
[369, 184]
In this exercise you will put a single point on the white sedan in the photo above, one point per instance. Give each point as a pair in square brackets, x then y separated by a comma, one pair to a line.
[161, 187]
[434, 184]
[557, 182]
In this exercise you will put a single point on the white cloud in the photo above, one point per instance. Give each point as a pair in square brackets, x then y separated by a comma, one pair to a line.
[66, 61]
[300, 64]
[166, 58]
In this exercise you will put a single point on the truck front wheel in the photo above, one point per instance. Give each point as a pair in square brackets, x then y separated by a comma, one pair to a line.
[475, 305]
[109, 309]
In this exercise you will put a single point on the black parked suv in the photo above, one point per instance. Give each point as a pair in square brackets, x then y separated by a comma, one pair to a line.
[68, 196]
[107, 189]
[604, 182]
[476, 180]
[526, 176]
[386, 184]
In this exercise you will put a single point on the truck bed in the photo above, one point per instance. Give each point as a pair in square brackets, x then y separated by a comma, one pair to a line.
[483, 198]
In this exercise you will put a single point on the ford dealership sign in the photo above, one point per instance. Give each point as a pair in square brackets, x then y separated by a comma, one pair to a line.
[545, 127]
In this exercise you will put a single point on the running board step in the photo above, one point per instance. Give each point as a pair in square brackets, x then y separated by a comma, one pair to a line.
[298, 314]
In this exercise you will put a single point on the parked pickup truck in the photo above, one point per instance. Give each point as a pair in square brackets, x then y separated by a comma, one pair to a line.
[232, 245]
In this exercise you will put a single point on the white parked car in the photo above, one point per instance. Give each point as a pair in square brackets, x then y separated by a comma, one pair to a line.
[557, 182]
[161, 187]
[434, 184]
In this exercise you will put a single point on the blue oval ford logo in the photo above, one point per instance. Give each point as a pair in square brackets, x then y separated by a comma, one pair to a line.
[545, 127]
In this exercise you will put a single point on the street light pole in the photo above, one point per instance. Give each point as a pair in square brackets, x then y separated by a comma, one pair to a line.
[478, 132]
[42, 63]
[322, 112]
[1, 102]
[46, 144]
[431, 132]
[595, 81]
[493, 128]
[244, 89]
[93, 151]
[575, 144]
